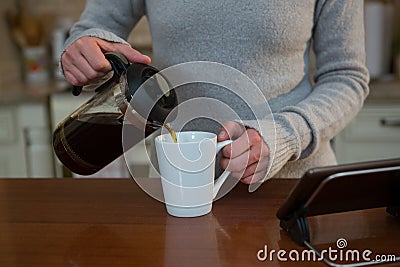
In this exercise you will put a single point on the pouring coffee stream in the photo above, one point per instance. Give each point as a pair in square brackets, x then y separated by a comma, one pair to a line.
[133, 103]
[171, 132]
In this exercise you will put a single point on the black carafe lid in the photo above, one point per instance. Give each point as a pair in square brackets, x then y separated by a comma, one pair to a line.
[149, 93]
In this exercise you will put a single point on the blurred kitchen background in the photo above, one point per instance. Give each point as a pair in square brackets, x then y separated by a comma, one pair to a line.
[34, 96]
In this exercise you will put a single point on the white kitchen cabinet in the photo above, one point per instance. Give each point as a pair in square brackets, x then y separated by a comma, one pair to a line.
[373, 134]
[25, 149]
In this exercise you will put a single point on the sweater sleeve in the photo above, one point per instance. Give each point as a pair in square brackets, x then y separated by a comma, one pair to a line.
[108, 20]
[340, 88]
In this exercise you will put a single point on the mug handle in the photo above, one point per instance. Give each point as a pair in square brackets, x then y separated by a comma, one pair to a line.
[221, 179]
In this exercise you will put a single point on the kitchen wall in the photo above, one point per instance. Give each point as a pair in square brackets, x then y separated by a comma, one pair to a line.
[29, 112]
[382, 37]
[10, 66]
[396, 34]
[49, 11]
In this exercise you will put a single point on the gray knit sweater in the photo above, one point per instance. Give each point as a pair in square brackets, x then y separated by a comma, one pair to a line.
[270, 41]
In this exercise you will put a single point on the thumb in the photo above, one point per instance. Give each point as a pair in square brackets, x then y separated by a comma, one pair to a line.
[131, 54]
[230, 130]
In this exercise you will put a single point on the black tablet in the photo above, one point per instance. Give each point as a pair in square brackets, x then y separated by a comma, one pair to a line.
[344, 187]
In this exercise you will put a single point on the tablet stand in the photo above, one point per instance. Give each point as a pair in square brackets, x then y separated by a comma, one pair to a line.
[394, 211]
[297, 227]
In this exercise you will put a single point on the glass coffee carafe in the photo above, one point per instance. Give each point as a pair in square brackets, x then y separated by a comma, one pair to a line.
[133, 103]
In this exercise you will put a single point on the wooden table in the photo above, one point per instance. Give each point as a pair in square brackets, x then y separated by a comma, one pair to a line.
[112, 222]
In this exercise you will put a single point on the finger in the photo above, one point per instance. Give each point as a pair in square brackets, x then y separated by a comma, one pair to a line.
[81, 70]
[255, 172]
[248, 139]
[241, 162]
[254, 137]
[240, 145]
[251, 169]
[237, 164]
[256, 153]
[233, 130]
[230, 130]
[91, 52]
[75, 76]
[97, 61]
[131, 54]
[76, 66]
[257, 177]
[74, 72]
[236, 148]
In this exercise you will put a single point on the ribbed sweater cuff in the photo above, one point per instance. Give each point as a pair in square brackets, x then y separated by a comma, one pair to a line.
[96, 32]
[293, 140]
[288, 137]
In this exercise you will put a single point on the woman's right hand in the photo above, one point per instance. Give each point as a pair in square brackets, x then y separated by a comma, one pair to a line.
[84, 62]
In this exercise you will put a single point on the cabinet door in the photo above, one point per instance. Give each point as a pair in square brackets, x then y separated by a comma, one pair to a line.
[38, 152]
[12, 158]
[12, 162]
[374, 134]
[7, 125]
[34, 126]
[25, 149]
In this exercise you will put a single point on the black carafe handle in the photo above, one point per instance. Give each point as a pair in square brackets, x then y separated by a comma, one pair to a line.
[119, 64]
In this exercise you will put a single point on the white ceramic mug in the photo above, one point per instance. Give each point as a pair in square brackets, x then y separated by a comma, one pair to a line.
[187, 171]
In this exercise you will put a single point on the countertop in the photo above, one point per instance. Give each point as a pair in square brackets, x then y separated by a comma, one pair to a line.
[384, 90]
[112, 222]
[19, 91]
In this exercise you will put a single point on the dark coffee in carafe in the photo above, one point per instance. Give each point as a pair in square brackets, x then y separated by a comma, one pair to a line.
[91, 137]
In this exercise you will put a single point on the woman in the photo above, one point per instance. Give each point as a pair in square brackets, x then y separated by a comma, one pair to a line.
[269, 41]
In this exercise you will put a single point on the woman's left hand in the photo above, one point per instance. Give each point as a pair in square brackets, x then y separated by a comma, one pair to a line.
[247, 157]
